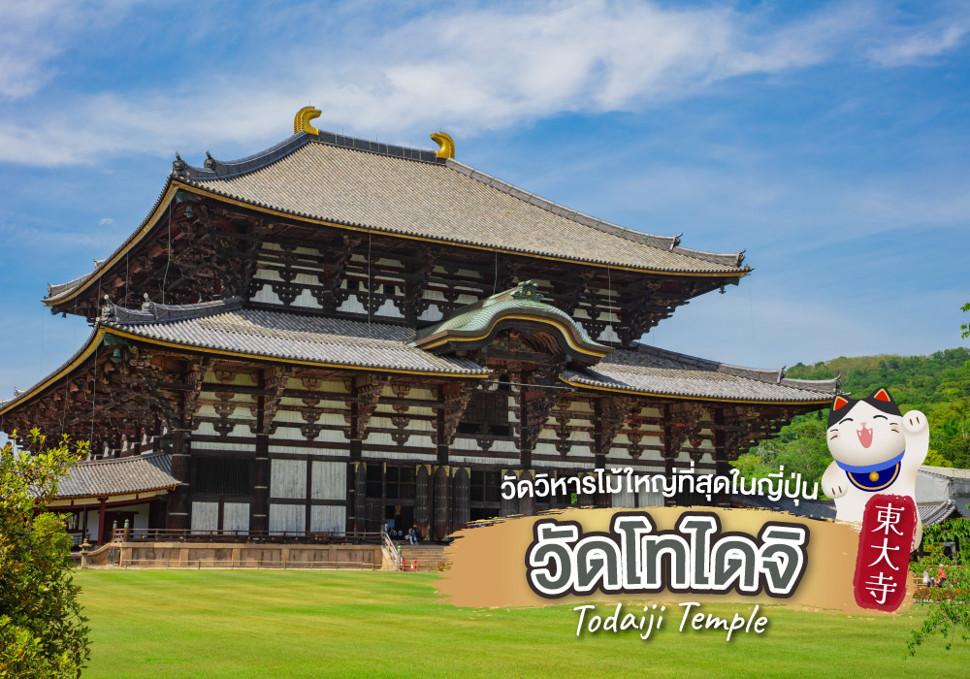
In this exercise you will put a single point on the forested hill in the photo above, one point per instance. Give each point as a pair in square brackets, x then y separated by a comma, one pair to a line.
[938, 384]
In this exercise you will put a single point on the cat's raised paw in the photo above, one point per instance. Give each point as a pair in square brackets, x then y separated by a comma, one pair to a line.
[914, 422]
[835, 490]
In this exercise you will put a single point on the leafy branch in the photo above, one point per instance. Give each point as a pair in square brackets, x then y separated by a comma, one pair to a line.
[947, 618]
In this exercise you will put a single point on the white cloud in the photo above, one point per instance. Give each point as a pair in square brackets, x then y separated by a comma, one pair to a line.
[35, 32]
[767, 324]
[468, 70]
[923, 44]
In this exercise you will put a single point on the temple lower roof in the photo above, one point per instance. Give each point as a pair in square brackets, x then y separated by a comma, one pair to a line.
[227, 328]
[230, 328]
[121, 476]
[650, 370]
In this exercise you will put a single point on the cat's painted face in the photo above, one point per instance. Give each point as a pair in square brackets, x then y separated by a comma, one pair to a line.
[867, 431]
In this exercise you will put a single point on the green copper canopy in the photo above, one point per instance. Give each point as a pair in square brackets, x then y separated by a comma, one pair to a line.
[474, 326]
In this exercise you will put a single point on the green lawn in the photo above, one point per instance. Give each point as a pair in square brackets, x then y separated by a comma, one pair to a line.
[368, 624]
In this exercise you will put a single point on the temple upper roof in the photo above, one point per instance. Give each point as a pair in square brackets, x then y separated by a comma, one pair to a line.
[359, 185]
[411, 192]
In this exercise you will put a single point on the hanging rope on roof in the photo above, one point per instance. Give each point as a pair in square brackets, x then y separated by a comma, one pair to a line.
[94, 398]
[370, 285]
[168, 262]
[67, 393]
[126, 281]
[94, 384]
[495, 279]
[609, 292]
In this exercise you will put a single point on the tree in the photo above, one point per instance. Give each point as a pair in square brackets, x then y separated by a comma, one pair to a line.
[965, 328]
[42, 631]
[947, 613]
[937, 384]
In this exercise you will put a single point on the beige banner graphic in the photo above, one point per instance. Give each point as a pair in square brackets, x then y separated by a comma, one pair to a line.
[664, 554]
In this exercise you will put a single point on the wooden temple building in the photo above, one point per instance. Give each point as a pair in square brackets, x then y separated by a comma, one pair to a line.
[334, 334]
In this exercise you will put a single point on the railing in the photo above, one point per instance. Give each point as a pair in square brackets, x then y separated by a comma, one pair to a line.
[189, 535]
[262, 564]
[394, 549]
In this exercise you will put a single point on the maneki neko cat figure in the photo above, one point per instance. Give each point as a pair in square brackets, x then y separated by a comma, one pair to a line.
[874, 450]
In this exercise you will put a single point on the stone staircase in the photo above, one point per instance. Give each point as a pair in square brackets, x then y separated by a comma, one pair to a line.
[424, 557]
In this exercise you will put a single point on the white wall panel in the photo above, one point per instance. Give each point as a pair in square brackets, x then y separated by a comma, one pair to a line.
[288, 518]
[329, 480]
[328, 519]
[287, 479]
[235, 516]
[205, 516]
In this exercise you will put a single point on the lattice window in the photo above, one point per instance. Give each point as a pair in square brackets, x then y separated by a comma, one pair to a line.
[486, 486]
[400, 483]
[221, 476]
[487, 413]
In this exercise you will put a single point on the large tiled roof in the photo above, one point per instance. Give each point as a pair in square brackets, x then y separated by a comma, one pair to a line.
[650, 370]
[121, 476]
[409, 192]
[228, 327]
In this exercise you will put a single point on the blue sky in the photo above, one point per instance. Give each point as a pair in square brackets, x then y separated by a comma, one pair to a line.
[830, 141]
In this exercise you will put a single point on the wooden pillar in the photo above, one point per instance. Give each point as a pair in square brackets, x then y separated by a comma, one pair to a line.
[602, 442]
[442, 444]
[669, 451]
[360, 496]
[259, 509]
[722, 464]
[507, 507]
[527, 505]
[599, 434]
[102, 539]
[442, 501]
[180, 498]
[462, 497]
[356, 440]
[587, 499]
[525, 453]
[423, 500]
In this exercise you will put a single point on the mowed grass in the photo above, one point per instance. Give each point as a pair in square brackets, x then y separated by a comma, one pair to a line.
[223, 623]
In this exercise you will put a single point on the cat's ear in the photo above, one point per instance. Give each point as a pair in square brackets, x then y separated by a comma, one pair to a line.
[839, 403]
[882, 395]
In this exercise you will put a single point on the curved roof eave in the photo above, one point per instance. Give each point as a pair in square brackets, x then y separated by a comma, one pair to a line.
[96, 338]
[218, 169]
[589, 385]
[80, 356]
[72, 288]
[173, 185]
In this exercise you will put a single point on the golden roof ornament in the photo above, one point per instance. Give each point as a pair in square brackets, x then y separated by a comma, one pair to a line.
[301, 121]
[446, 145]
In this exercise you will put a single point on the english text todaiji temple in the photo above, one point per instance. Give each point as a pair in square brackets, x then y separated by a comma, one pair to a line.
[334, 334]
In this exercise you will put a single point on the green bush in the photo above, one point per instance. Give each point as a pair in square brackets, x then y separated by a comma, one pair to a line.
[42, 631]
